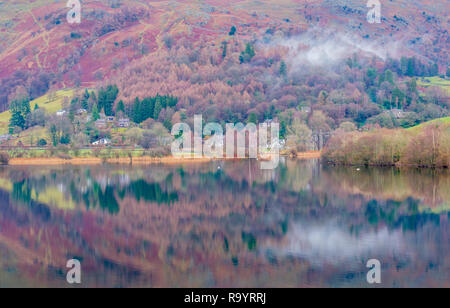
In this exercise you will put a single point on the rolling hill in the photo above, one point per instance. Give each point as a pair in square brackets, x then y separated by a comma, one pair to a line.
[50, 103]
[36, 38]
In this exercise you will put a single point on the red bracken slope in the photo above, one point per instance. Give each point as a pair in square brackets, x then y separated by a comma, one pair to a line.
[36, 37]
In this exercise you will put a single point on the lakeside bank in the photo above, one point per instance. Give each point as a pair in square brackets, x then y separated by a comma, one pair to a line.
[98, 161]
[143, 160]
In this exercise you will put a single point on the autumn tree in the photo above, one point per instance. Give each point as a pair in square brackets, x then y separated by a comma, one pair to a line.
[319, 124]
[299, 136]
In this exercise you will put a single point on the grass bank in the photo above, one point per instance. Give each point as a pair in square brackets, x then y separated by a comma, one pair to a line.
[67, 156]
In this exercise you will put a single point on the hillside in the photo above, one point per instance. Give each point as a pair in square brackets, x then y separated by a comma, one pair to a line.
[431, 82]
[441, 121]
[37, 44]
[50, 104]
[314, 66]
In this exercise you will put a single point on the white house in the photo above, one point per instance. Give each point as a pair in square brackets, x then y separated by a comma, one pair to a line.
[81, 111]
[4, 138]
[104, 141]
[123, 122]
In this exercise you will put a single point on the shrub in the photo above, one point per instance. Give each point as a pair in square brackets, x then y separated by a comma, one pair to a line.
[159, 152]
[74, 35]
[96, 152]
[65, 140]
[64, 156]
[76, 151]
[427, 146]
[149, 140]
[42, 143]
[4, 158]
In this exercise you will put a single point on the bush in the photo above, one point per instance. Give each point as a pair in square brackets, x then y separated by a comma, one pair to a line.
[4, 158]
[427, 146]
[42, 143]
[74, 35]
[148, 140]
[96, 152]
[76, 151]
[65, 140]
[159, 152]
[64, 156]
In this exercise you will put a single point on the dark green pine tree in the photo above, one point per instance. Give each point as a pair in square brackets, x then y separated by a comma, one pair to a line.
[85, 100]
[247, 55]
[434, 70]
[20, 109]
[283, 69]
[111, 96]
[106, 99]
[252, 118]
[389, 77]
[147, 108]
[158, 109]
[120, 107]
[17, 120]
[224, 49]
[26, 108]
[95, 113]
[136, 111]
[411, 67]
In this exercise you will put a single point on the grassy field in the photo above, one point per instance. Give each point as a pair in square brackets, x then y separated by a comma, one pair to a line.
[435, 81]
[51, 106]
[31, 136]
[81, 153]
[419, 127]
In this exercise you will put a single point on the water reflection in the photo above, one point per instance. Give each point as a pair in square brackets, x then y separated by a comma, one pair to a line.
[223, 224]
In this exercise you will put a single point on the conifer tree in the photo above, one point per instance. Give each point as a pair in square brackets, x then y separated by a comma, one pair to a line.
[95, 113]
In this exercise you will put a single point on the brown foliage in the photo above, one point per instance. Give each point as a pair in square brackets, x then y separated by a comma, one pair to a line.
[428, 146]
[4, 158]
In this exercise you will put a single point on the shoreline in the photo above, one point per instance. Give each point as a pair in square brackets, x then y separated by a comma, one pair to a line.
[309, 155]
[145, 160]
[98, 161]
[398, 166]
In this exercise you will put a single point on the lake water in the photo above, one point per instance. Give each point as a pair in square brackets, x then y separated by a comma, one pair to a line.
[224, 224]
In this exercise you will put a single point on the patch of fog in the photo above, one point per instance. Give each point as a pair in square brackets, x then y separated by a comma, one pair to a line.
[330, 243]
[319, 48]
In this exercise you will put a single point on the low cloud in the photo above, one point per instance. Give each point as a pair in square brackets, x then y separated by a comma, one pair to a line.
[317, 48]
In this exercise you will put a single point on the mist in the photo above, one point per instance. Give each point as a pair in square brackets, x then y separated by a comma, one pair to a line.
[320, 49]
